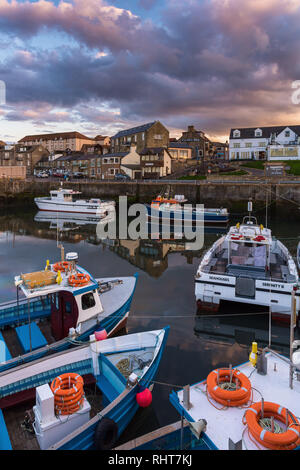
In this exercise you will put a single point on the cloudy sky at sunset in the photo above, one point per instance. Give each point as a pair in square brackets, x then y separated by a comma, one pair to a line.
[99, 66]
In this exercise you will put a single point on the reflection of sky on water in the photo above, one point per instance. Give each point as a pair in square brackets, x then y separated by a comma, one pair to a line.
[192, 350]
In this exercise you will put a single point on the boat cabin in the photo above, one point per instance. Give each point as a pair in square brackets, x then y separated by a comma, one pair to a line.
[248, 249]
[71, 292]
[63, 195]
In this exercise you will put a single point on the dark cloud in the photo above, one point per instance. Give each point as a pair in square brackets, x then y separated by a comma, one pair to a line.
[217, 64]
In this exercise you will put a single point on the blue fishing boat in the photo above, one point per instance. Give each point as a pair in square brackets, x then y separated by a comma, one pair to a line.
[103, 384]
[162, 209]
[59, 307]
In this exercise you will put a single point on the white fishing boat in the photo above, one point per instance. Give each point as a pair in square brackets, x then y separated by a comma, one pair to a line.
[64, 200]
[250, 266]
[254, 406]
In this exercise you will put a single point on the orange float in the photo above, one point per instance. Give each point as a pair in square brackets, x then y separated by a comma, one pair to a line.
[79, 280]
[287, 440]
[238, 395]
[61, 266]
[68, 393]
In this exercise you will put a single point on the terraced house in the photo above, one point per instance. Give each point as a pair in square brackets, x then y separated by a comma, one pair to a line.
[72, 141]
[153, 134]
[23, 155]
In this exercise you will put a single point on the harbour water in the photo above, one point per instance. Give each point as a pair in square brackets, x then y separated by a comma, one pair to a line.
[198, 342]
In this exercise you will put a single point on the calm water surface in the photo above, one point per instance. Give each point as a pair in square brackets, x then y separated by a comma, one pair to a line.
[164, 296]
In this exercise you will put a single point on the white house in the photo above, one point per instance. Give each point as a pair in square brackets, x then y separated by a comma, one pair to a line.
[261, 143]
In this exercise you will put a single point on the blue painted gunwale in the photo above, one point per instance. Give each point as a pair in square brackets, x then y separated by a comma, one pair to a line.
[123, 412]
[108, 323]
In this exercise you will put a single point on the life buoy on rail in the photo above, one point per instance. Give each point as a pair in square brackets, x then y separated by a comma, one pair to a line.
[62, 266]
[106, 434]
[259, 238]
[79, 280]
[229, 393]
[236, 237]
[286, 440]
[68, 393]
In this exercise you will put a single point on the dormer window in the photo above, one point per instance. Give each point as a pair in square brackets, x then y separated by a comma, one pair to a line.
[287, 134]
[236, 133]
[258, 133]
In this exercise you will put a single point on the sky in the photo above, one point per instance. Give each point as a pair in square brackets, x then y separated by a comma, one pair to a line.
[99, 66]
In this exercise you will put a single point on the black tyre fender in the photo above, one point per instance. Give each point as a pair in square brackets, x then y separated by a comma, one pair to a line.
[106, 434]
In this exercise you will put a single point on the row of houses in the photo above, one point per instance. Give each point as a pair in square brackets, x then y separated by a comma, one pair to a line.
[145, 151]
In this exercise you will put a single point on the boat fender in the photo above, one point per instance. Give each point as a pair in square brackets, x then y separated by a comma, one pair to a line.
[106, 434]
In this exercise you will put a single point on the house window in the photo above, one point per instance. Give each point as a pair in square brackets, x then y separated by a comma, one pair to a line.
[143, 135]
[236, 146]
[158, 136]
[248, 144]
[287, 133]
[116, 160]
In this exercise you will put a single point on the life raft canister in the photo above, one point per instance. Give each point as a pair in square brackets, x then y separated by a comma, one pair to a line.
[79, 280]
[68, 393]
[286, 440]
[234, 392]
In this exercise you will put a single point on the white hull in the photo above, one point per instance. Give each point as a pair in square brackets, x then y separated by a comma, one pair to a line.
[80, 207]
[211, 288]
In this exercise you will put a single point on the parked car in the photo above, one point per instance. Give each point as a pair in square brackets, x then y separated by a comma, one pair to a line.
[78, 175]
[122, 177]
[42, 174]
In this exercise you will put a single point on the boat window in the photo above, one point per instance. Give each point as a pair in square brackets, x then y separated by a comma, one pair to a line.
[68, 307]
[88, 301]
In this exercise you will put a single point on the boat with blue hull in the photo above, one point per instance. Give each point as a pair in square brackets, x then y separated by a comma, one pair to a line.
[120, 370]
[54, 315]
[176, 209]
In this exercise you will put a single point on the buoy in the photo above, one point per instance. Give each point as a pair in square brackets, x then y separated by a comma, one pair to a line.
[144, 398]
[68, 393]
[100, 335]
[253, 354]
[230, 387]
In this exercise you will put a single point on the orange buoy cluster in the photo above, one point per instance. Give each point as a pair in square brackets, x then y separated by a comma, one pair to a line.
[219, 387]
[288, 440]
[79, 280]
[68, 393]
[61, 266]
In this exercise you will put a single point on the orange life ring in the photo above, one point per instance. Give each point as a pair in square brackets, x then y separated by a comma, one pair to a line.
[236, 237]
[237, 397]
[288, 440]
[79, 280]
[62, 266]
[68, 393]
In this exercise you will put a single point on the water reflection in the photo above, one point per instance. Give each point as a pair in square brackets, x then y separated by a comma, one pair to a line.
[164, 295]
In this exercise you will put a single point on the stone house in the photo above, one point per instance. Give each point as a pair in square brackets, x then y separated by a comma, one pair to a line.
[156, 162]
[61, 141]
[153, 134]
[23, 155]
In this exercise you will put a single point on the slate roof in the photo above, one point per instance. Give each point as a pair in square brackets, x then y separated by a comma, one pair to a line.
[134, 130]
[64, 135]
[249, 132]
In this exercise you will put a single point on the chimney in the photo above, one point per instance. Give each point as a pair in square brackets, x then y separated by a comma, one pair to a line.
[191, 129]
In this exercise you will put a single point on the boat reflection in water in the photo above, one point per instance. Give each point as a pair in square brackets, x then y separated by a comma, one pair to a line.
[242, 326]
[150, 255]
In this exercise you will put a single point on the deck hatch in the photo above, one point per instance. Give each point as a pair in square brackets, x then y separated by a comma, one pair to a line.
[245, 287]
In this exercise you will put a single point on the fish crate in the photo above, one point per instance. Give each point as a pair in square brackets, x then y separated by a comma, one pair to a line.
[38, 279]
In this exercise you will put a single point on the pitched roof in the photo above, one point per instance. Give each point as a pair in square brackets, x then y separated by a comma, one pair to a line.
[65, 135]
[134, 130]
[117, 154]
[249, 132]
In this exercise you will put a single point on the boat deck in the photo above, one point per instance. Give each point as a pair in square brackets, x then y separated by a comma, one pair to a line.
[223, 424]
[219, 265]
[22, 439]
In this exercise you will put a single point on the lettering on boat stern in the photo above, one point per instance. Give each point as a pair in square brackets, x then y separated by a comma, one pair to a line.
[165, 459]
[269, 284]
